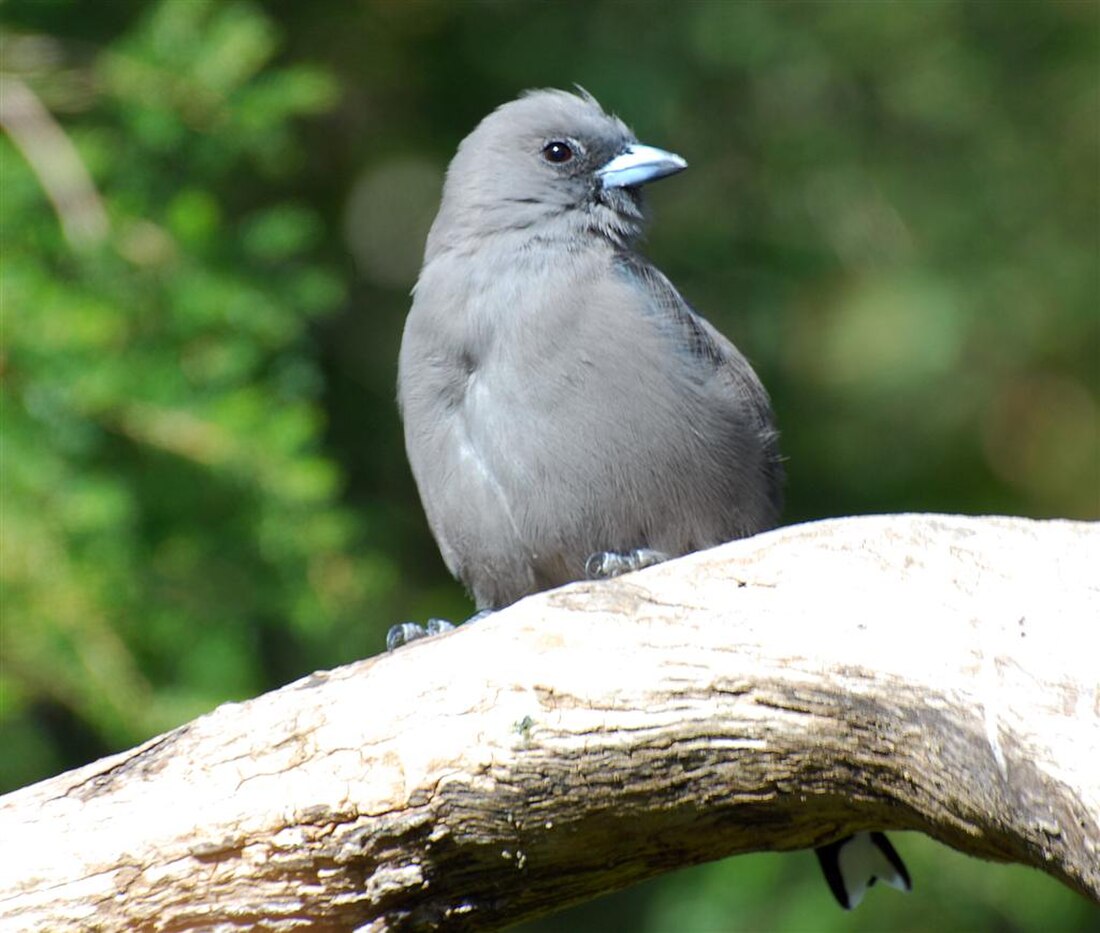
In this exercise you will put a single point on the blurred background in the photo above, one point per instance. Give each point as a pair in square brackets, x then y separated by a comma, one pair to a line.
[211, 218]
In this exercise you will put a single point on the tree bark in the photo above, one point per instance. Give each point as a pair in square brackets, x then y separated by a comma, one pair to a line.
[936, 673]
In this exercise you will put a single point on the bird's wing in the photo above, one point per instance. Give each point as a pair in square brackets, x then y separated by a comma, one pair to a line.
[715, 354]
[698, 336]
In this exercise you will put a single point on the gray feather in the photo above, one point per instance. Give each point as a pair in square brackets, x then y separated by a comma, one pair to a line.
[559, 397]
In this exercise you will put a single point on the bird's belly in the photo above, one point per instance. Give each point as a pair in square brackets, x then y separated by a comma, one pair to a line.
[592, 459]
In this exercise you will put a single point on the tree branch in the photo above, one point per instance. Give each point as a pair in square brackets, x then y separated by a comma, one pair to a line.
[55, 161]
[913, 672]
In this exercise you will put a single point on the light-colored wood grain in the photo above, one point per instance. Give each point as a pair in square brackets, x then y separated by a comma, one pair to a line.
[937, 673]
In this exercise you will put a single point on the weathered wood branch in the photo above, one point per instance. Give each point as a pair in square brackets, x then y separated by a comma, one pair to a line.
[921, 672]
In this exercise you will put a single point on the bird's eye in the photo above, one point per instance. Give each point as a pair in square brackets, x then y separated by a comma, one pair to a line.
[557, 151]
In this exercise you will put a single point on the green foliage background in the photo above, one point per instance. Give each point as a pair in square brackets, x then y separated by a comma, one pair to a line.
[892, 208]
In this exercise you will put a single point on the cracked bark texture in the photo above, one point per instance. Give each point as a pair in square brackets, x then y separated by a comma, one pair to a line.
[936, 673]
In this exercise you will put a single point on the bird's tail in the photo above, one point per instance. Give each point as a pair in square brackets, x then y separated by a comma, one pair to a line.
[853, 864]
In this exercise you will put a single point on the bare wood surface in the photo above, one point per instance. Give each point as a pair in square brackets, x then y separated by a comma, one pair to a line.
[925, 672]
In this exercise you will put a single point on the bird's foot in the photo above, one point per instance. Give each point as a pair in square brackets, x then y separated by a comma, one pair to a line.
[605, 564]
[402, 634]
[406, 632]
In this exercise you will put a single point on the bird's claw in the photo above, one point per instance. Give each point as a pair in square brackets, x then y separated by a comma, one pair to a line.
[406, 632]
[402, 634]
[605, 564]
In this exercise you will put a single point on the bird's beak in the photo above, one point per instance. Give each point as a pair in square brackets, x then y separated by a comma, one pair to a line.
[638, 164]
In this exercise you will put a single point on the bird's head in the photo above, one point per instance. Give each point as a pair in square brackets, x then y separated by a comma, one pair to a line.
[550, 165]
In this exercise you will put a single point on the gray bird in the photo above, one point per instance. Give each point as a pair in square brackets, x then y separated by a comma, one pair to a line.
[560, 399]
[567, 413]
